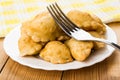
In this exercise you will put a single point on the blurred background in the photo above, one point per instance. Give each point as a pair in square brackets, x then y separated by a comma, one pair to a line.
[14, 12]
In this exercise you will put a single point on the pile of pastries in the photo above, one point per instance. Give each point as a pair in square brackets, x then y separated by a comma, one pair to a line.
[42, 36]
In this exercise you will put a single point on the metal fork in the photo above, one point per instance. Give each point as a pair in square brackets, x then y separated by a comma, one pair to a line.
[71, 29]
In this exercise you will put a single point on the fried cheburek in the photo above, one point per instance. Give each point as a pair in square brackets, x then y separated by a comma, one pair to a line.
[56, 52]
[43, 28]
[86, 21]
[27, 46]
[80, 50]
[42, 36]
[90, 23]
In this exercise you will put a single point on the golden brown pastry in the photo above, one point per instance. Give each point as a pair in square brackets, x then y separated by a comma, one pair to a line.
[56, 52]
[43, 28]
[86, 21]
[97, 45]
[27, 46]
[37, 32]
[42, 35]
[80, 50]
[63, 38]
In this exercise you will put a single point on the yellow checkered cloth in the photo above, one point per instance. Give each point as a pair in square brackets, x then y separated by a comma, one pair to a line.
[14, 12]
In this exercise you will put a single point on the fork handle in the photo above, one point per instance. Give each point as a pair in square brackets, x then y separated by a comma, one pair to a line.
[115, 45]
[109, 43]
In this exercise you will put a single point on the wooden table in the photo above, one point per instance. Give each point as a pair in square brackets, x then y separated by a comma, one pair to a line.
[109, 69]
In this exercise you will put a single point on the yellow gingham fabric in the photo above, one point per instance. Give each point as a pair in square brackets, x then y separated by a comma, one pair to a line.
[14, 12]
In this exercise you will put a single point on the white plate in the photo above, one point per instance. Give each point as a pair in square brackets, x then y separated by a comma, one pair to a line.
[11, 48]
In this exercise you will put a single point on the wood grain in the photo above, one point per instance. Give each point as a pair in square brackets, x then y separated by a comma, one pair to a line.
[95, 72]
[15, 71]
[3, 56]
[109, 69]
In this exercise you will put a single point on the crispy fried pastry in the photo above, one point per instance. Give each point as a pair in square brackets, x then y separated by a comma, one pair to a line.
[43, 28]
[86, 21]
[56, 52]
[42, 35]
[27, 46]
[80, 50]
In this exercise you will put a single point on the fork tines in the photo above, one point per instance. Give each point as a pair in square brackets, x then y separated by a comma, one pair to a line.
[61, 19]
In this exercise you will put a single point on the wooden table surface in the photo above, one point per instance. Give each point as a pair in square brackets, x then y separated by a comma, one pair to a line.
[109, 69]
